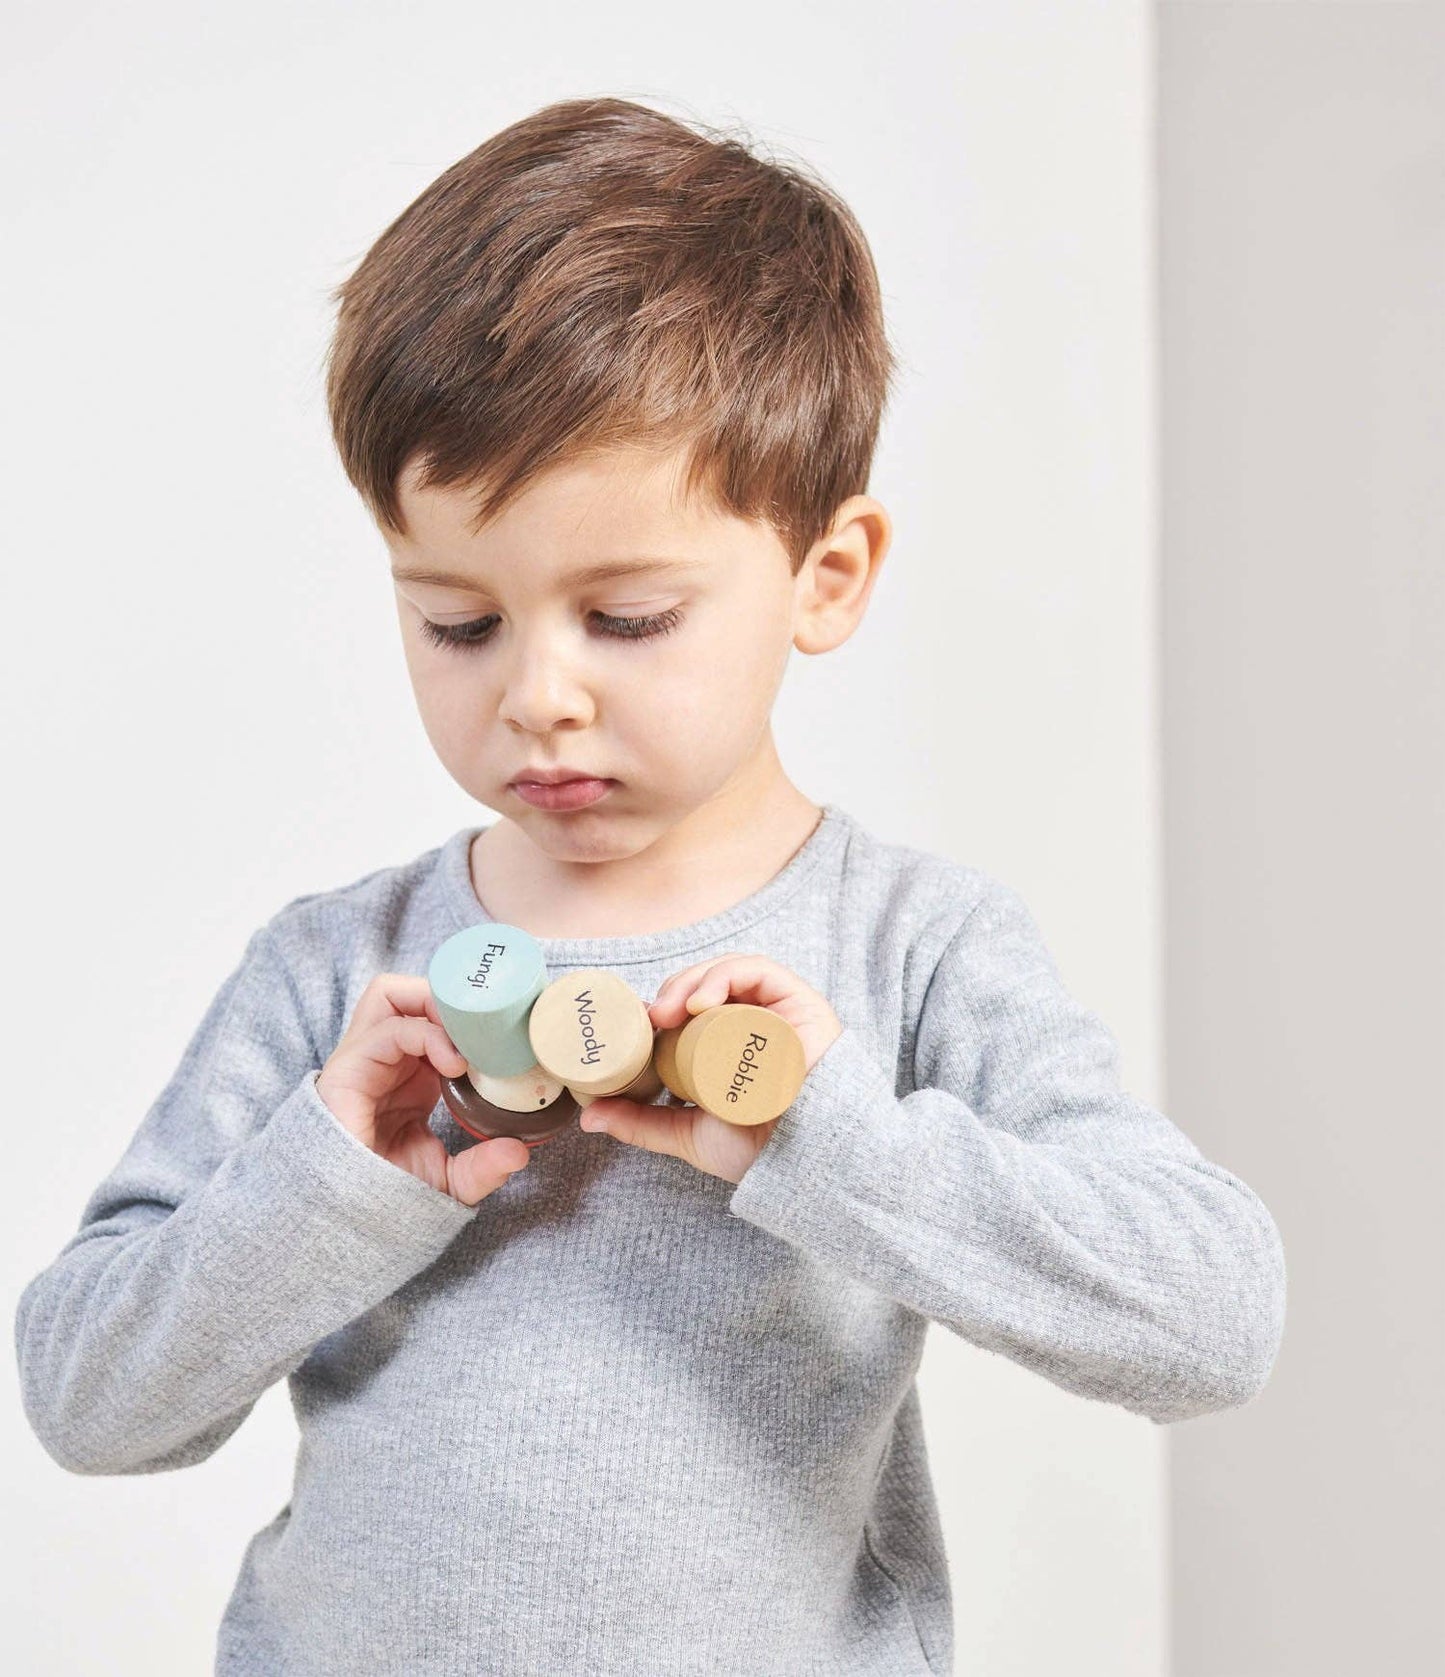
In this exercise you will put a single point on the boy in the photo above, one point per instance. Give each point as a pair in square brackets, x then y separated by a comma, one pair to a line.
[642, 1401]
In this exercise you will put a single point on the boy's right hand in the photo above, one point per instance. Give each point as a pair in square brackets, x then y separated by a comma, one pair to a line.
[382, 1083]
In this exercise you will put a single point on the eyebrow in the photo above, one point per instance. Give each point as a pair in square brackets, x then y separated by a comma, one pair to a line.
[601, 571]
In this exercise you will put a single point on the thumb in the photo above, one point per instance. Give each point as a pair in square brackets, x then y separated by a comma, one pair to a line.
[660, 1129]
[478, 1171]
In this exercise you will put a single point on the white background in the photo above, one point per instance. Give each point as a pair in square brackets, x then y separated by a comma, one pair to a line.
[1301, 184]
[209, 710]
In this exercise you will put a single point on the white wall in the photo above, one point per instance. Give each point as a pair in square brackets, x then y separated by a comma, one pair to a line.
[216, 715]
[1302, 163]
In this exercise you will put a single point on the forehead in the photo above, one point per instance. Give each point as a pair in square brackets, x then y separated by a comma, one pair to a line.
[585, 505]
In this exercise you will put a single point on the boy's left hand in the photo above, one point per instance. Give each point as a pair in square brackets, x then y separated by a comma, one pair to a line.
[687, 1132]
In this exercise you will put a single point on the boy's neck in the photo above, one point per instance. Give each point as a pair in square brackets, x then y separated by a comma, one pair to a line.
[720, 853]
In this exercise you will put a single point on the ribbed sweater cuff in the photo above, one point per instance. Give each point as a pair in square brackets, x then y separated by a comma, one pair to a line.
[808, 1164]
[312, 1189]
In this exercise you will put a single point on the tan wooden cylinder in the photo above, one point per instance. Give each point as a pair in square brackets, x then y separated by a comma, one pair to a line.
[592, 1031]
[645, 1087]
[664, 1060]
[741, 1063]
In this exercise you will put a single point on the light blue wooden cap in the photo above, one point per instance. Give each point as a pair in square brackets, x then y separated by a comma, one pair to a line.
[485, 980]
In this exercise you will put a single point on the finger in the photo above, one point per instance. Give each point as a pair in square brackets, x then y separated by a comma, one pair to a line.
[671, 991]
[672, 996]
[659, 1129]
[416, 1097]
[417, 1149]
[384, 1058]
[391, 995]
[744, 978]
[478, 1171]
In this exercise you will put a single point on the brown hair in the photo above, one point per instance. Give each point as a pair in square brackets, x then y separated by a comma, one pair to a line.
[599, 276]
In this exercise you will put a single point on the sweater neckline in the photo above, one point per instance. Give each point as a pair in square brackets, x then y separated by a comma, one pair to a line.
[468, 910]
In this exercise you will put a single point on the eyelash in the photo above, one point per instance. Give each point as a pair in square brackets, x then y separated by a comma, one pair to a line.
[624, 628]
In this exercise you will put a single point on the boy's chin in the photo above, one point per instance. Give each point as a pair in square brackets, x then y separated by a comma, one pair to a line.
[595, 834]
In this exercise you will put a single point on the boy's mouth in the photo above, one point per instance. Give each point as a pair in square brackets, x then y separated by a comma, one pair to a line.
[572, 792]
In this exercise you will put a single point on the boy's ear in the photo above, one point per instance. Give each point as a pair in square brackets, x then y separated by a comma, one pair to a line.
[836, 579]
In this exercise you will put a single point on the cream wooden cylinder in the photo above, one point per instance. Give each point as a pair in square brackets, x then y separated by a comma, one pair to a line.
[591, 1030]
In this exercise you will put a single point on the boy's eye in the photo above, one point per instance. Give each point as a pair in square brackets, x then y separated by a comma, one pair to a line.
[478, 632]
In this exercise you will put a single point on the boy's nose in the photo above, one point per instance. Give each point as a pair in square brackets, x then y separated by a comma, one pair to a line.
[542, 691]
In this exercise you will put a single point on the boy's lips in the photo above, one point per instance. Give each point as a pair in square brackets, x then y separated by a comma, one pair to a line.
[574, 792]
[553, 776]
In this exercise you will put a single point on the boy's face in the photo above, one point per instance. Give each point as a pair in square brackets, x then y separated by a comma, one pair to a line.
[672, 715]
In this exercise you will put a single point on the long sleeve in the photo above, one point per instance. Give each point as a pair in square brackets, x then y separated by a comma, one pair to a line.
[1016, 1195]
[242, 1225]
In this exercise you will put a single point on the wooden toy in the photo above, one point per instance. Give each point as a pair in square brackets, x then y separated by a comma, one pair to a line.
[739, 1062]
[538, 1052]
[485, 980]
[591, 1031]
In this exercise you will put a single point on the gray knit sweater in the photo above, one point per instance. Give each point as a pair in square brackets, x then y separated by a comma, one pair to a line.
[623, 1417]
